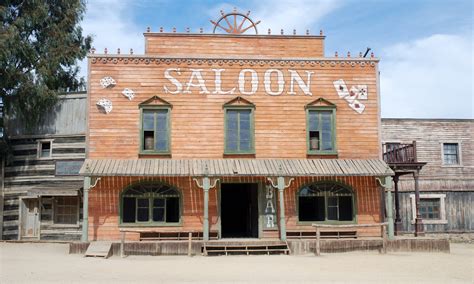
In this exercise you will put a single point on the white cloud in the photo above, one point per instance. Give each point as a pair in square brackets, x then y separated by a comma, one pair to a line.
[430, 77]
[110, 22]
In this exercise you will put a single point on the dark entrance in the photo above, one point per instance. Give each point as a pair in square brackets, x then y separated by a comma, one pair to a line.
[239, 210]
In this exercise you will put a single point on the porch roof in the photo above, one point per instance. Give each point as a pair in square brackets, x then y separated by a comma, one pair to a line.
[235, 167]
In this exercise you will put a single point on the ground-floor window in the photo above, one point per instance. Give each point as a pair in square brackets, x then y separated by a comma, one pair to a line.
[66, 209]
[150, 204]
[432, 208]
[328, 201]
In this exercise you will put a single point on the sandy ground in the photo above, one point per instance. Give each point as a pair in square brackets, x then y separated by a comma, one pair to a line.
[40, 263]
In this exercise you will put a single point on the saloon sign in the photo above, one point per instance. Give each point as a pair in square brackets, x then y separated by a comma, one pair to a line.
[274, 81]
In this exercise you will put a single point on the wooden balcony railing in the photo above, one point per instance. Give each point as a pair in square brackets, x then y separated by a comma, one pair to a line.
[399, 153]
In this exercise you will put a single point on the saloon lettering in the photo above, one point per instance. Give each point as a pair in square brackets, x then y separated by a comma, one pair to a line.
[247, 82]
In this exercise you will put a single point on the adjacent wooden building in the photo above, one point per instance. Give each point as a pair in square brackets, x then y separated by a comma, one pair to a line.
[231, 136]
[41, 190]
[446, 182]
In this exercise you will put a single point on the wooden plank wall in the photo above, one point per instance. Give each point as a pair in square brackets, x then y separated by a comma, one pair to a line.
[197, 120]
[104, 204]
[459, 213]
[457, 182]
[429, 135]
[26, 172]
[68, 117]
[175, 44]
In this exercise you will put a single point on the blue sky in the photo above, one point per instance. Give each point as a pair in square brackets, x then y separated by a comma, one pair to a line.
[425, 46]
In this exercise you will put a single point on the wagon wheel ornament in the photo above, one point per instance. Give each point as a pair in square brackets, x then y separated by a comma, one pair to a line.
[235, 23]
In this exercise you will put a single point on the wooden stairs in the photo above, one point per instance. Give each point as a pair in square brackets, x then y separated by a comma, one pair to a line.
[254, 247]
[99, 249]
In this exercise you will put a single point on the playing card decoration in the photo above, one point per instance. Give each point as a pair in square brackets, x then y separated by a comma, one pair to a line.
[105, 105]
[107, 82]
[352, 95]
[128, 93]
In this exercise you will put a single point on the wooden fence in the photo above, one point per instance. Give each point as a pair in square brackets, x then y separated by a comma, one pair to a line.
[324, 227]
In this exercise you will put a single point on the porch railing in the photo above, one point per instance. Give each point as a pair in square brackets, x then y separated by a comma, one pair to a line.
[399, 153]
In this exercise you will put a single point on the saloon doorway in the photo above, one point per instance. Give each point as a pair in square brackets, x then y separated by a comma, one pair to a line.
[239, 210]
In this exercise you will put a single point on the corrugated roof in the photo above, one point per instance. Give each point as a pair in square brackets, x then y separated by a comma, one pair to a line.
[235, 167]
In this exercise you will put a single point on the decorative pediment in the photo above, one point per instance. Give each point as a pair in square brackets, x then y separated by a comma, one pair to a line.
[321, 102]
[155, 101]
[239, 102]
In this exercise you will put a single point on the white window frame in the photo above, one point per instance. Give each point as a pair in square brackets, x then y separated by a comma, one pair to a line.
[459, 164]
[442, 209]
[38, 149]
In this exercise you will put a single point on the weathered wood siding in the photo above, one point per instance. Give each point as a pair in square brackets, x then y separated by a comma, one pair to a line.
[232, 46]
[456, 181]
[197, 120]
[459, 213]
[68, 117]
[27, 175]
[104, 203]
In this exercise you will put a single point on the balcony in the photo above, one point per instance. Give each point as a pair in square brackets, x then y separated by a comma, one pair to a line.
[398, 153]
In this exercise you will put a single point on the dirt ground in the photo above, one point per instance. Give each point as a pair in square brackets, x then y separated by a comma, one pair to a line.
[44, 263]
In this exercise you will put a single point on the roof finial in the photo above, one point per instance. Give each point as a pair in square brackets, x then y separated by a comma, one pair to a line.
[148, 29]
[131, 50]
[281, 32]
[294, 31]
[307, 32]
[372, 54]
[161, 29]
[105, 50]
[174, 29]
[348, 54]
[201, 30]
[320, 32]
[93, 50]
[335, 54]
[118, 50]
[269, 31]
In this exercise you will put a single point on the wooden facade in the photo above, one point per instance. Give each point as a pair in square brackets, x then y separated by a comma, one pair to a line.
[41, 186]
[447, 182]
[282, 82]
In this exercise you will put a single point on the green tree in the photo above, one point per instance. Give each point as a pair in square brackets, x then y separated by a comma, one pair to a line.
[41, 42]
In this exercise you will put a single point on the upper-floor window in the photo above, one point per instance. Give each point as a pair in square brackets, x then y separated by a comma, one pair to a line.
[321, 127]
[44, 149]
[239, 130]
[451, 154]
[155, 130]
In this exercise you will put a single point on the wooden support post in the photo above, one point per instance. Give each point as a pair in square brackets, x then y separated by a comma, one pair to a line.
[205, 223]
[282, 215]
[398, 220]
[190, 243]
[85, 210]
[384, 239]
[206, 185]
[389, 206]
[317, 249]
[419, 230]
[122, 244]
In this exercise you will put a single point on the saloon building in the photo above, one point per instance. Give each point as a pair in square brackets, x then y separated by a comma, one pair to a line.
[231, 135]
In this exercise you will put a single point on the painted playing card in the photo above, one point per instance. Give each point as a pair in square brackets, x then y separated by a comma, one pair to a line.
[341, 88]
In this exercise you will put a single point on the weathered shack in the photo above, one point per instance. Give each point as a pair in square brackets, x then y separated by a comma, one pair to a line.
[41, 193]
[446, 182]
